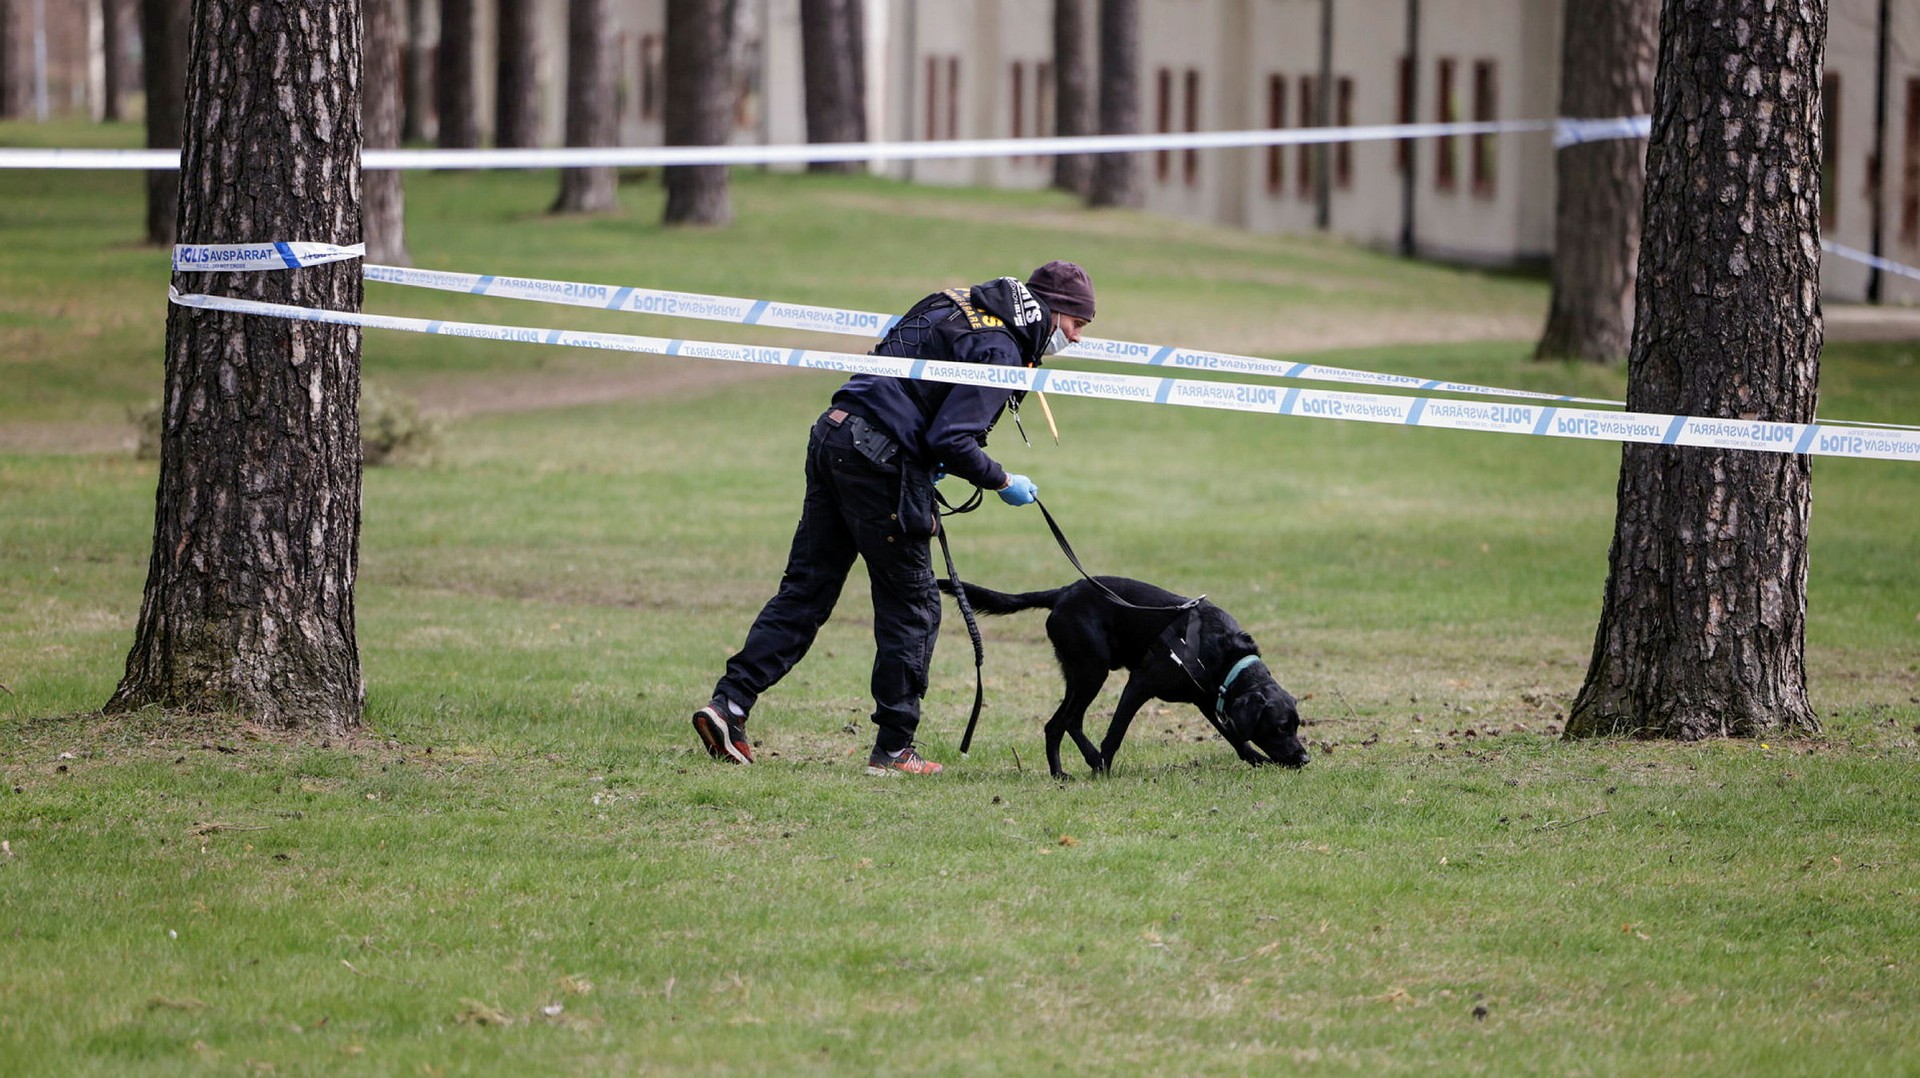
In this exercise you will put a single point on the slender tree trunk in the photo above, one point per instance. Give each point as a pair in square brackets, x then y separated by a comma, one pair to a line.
[1703, 630]
[13, 97]
[516, 110]
[383, 200]
[455, 95]
[698, 110]
[1073, 113]
[113, 47]
[163, 28]
[249, 598]
[830, 61]
[1116, 176]
[590, 117]
[1608, 48]
[418, 122]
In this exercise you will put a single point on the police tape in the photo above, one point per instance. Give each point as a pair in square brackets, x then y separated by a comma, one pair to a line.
[815, 319]
[252, 257]
[810, 152]
[1546, 421]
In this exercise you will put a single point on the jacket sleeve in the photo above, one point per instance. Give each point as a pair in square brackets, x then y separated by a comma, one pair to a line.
[956, 438]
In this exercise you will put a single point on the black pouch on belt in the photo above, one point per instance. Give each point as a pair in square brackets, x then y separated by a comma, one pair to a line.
[872, 444]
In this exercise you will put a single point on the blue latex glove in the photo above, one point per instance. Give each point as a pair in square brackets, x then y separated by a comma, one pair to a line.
[1018, 491]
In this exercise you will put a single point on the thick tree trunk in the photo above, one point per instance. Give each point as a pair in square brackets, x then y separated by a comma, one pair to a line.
[383, 200]
[1703, 630]
[1116, 176]
[455, 95]
[163, 28]
[590, 118]
[113, 58]
[516, 112]
[698, 110]
[1608, 48]
[249, 597]
[418, 122]
[1073, 113]
[831, 59]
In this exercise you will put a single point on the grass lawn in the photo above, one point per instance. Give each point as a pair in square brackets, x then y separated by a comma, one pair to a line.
[526, 866]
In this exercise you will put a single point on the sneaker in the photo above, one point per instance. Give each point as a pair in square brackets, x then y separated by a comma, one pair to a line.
[725, 737]
[906, 760]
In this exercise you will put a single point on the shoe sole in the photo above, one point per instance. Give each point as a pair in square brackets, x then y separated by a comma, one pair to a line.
[713, 732]
[877, 770]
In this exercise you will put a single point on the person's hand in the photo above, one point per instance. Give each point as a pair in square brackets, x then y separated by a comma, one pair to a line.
[939, 472]
[1019, 490]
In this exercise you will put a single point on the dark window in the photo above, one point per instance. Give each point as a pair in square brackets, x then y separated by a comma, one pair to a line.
[933, 99]
[1830, 152]
[1303, 161]
[1343, 117]
[1486, 148]
[1190, 159]
[1910, 169]
[1444, 150]
[953, 97]
[1162, 119]
[1019, 100]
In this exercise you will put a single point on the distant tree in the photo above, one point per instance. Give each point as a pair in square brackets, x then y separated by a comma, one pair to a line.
[699, 110]
[1703, 628]
[456, 97]
[383, 200]
[163, 31]
[590, 104]
[417, 120]
[1607, 54]
[1073, 113]
[249, 601]
[516, 104]
[113, 53]
[1116, 176]
[13, 98]
[832, 58]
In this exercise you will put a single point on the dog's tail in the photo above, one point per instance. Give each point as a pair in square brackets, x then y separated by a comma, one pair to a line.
[988, 601]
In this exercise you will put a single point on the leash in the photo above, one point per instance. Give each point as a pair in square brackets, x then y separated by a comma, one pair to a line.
[947, 509]
[1066, 548]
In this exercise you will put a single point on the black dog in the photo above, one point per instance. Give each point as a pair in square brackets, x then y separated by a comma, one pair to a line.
[1183, 651]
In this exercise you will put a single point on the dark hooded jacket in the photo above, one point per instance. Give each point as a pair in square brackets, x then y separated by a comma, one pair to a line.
[941, 425]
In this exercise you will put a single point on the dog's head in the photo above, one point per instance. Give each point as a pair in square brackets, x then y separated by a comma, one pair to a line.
[1267, 716]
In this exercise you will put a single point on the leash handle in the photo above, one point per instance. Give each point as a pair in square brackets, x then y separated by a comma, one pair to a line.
[973, 631]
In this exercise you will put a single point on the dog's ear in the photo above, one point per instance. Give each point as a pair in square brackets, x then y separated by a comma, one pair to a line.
[1243, 642]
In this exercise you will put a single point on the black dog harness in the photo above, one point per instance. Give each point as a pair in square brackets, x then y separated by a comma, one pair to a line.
[1182, 643]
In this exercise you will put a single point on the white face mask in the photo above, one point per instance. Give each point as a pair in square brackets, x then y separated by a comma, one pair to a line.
[1056, 342]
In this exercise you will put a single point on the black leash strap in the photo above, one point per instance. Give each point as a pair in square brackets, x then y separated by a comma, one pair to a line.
[1066, 548]
[966, 614]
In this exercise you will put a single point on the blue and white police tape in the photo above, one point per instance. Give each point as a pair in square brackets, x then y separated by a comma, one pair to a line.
[806, 153]
[870, 324]
[252, 257]
[1547, 421]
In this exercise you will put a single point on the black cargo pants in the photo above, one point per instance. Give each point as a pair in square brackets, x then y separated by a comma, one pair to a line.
[864, 498]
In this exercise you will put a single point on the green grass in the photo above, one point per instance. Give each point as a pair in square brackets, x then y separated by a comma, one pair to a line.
[527, 823]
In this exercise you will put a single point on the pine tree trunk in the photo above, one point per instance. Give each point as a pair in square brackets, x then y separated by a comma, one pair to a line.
[418, 123]
[1072, 103]
[1703, 630]
[248, 606]
[1116, 176]
[590, 118]
[699, 110]
[829, 63]
[163, 29]
[455, 93]
[1607, 52]
[516, 110]
[383, 199]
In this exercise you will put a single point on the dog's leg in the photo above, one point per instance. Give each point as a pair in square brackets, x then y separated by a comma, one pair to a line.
[1070, 718]
[1132, 698]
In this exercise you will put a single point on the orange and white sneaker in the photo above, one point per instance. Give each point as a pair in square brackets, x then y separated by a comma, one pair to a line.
[724, 737]
[906, 761]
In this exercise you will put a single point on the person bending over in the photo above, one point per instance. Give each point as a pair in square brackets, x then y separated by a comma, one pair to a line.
[872, 459]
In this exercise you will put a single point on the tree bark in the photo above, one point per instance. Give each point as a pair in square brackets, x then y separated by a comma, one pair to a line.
[590, 104]
[1073, 113]
[831, 59]
[698, 110]
[248, 605]
[455, 97]
[1608, 48]
[383, 199]
[418, 123]
[1703, 629]
[1116, 176]
[113, 65]
[516, 112]
[163, 28]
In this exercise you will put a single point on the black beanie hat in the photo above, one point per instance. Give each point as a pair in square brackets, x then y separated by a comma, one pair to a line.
[1065, 287]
